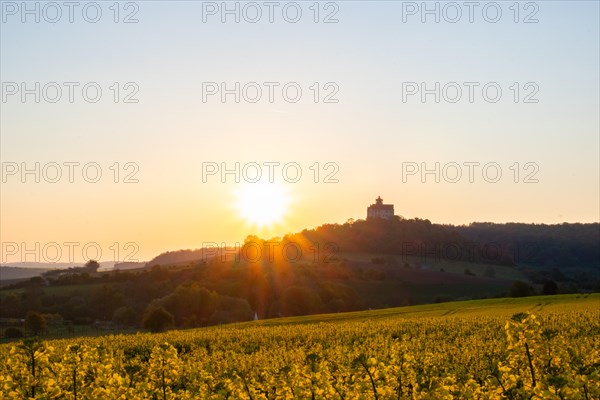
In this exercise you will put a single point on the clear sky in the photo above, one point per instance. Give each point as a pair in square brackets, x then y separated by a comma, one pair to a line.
[372, 57]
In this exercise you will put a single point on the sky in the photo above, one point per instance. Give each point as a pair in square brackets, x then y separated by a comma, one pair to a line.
[524, 149]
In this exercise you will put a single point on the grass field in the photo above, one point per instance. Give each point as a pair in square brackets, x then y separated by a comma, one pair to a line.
[497, 307]
[535, 348]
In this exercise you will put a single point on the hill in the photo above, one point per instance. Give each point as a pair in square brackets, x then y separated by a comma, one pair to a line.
[538, 250]
[179, 257]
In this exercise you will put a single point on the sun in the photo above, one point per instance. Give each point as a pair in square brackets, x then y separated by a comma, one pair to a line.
[262, 203]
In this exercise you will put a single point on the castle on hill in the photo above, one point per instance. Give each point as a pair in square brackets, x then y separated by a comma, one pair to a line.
[380, 210]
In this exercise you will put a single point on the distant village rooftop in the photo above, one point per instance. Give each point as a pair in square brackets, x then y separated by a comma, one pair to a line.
[380, 210]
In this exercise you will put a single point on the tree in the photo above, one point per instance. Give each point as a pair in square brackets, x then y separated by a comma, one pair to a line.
[519, 289]
[91, 266]
[190, 302]
[35, 322]
[157, 319]
[550, 287]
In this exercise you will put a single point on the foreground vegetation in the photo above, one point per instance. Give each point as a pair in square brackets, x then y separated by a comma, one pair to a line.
[545, 347]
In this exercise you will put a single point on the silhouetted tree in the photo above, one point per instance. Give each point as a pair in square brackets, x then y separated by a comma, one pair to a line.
[157, 319]
[91, 266]
[550, 287]
[35, 322]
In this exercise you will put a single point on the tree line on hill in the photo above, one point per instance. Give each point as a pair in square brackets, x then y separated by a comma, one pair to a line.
[551, 246]
[560, 246]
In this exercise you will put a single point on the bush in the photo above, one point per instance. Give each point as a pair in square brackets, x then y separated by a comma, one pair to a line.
[13, 332]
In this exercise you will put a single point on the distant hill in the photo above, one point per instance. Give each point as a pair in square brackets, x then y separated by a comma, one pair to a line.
[183, 256]
[42, 265]
[11, 273]
[104, 265]
[128, 265]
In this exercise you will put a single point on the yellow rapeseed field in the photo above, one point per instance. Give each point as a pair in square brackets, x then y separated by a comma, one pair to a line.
[482, 353]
